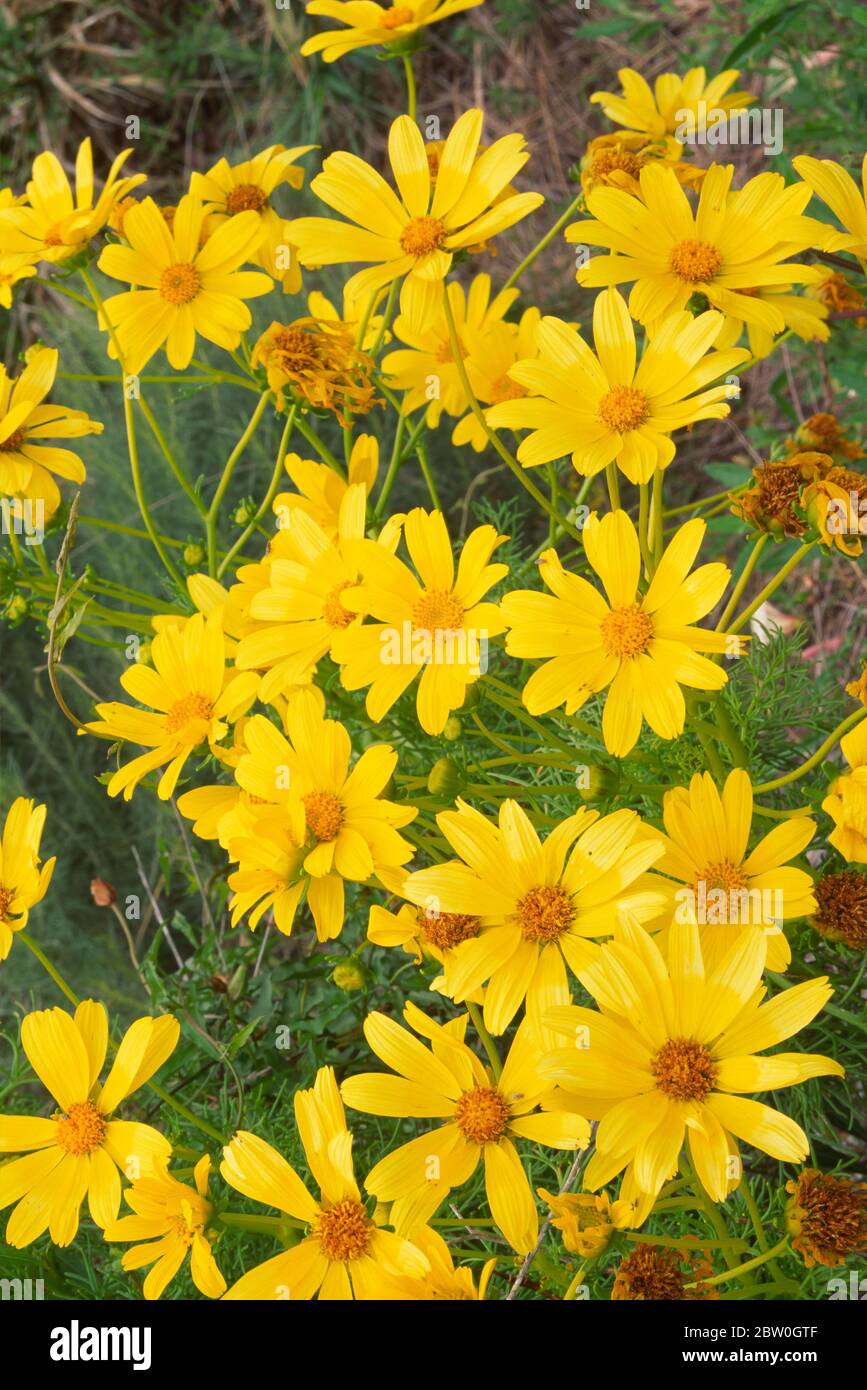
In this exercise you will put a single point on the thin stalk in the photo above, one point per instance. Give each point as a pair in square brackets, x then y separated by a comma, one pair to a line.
[487, 1041]
[814, 761]
[742, 580]
[225, 478]
[546, 241]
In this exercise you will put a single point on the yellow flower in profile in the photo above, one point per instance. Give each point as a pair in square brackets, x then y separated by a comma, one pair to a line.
[805, 317]
[425, 368]
[846, 802]
[483, 1117]
[586, 1222]
[538, 903]
[726, 886]
[192, 696]
[673, 1055]
[434, 627]
[735, 241]
[344, 1255]
[170, 1217]
[616, 160]
[835, 507]
[416, 232]
[858, 688]
[442, 1282]
[79, 1150]
[229, 189]
[600, 407]
[183, 287]
[320, 490]
[658, 111]
[23, 880]
[644, 646]
[848, 202]
[56, 222]
[27, 461]
[374, 24]
[334, 824]
[13, 269]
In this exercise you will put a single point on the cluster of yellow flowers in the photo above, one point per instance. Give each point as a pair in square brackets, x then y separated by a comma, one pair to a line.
[658, 1069]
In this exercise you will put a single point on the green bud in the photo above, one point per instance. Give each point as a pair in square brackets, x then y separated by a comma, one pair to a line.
[350, 975]
[445, 779]
[452, 729]
[194, 555]
[16, 608]
[594, 783]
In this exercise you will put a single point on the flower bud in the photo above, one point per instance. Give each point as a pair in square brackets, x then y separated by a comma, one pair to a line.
[193, 555]
[103, 893]
[452, 730]
[350, 975]
[445, 779]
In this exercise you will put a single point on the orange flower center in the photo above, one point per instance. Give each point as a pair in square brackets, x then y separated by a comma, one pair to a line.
[723, 875]
[344, 1230]
[626, 631]
[333, 611]
[324, 814]
[397, 15]
[695, 261]
[185, 711]
[606, 161]
[183, 1229]
[545, 912]
[482, 1115]
[7, 896]
[422, 235]
[246, 197]
[446, 929]
[504, 389]
[81, 1129]
[624, 408]
[684, 1069]
[13, 441]
[438, 611]
[180, 284]
[53, 237]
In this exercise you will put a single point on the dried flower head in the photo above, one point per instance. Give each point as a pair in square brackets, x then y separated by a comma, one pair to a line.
[842, 908]
[654, 1272]
[827, 1217]
[317, 361]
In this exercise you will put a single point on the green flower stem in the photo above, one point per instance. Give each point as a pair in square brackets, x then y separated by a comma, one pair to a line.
[386, 320]
[263, 1225]
[706, 739]
[643, 518]
[701, 503]
[518, 711]
[424, 465]
[60, 288]
[127, 530]
[132, 447]
[170, 459]
[755, 1217]
[729, 734]
[656, 543]
[512, 463]
[771, 587]
[393, 466]
[487, 1041]
[452, 1222]
[742, 581]
[613, 483]
[313, 439]
[708, 1207]
[267, 499]
[410, 86]
[230, 378]
[738, 1270]
[225, 478]
[834, 737]
[74, 1000]
[546, 241]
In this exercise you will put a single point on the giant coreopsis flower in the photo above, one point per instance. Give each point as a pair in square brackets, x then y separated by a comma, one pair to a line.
[831, 182]
[737, 240]
[658, 111]
[55, 221]
[27, 459]
[183, 287]
[80, 1149]
[344, 1255]
[482, 1115]
[416, 231]
[170, 1219]
[534, 902]
[641, 644]
[600, 407]
[674, 1055]
[24, 879]
[370, 24]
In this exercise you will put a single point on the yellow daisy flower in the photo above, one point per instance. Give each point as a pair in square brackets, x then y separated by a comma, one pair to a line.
[336, 824]
[587, 1223]
[352, 314]
[443, 1281]
[371, 24]
[80, 1149]
[537, 902]
[602, 408]
[674, 1053]
[736, 240]
[320, 491]
[617, 159]
[184, 287]
[846, 802]
[657, 111]
[26, 461]
[192, 698]
[727, 888]
[483, 1114]
[422, 932]
[803, 316]
[848, 202]
[416, 232]
[171, 1218]
[226, 190]
[344, 1255]
[425, 368]
[643, 645]
[23, 880]
[55, 222]
[436, 628]
[491, 359]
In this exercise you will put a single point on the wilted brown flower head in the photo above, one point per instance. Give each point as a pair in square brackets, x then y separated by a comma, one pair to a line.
[771, 503]
[827, 1217]
[655, 1272]
[841, 914]
[317, 361]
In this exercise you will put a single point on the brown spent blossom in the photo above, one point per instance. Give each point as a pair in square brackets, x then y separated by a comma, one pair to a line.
[103, 893]
[770, 505]
[827, 1217]
[655, 1272]
[841, 914]
[825, 433]
[318, 361]
[840, 296]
